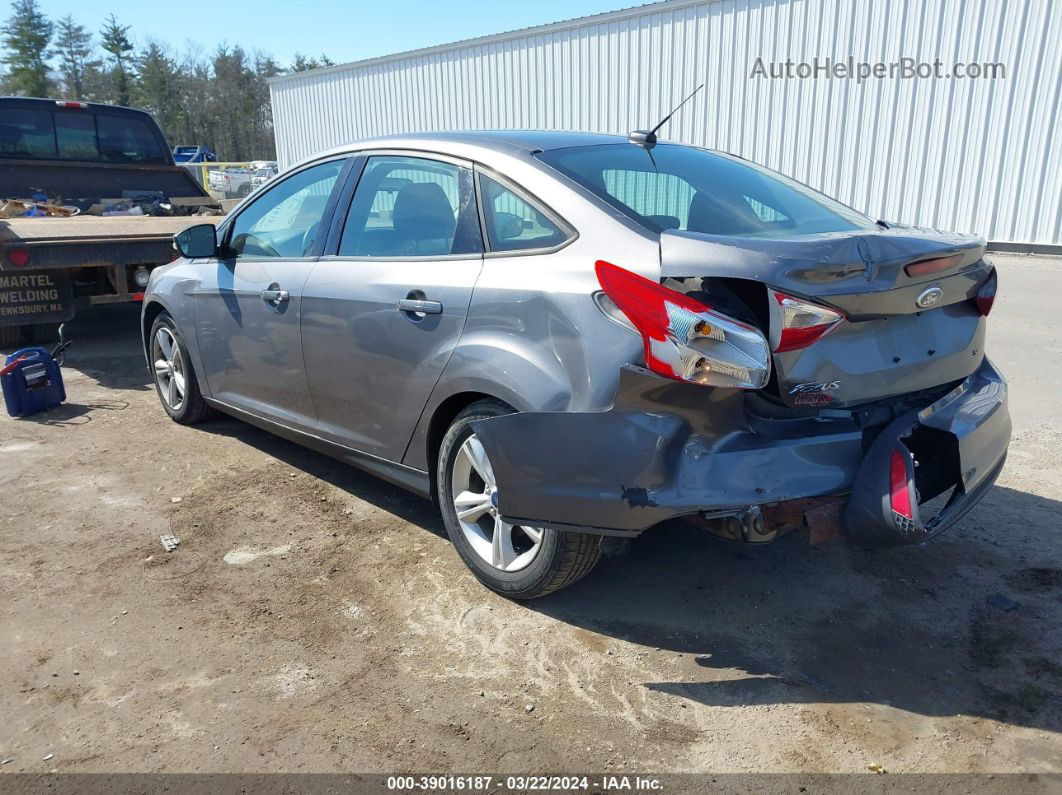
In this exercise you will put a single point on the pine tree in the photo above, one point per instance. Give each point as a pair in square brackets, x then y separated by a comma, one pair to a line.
[26, 37]
[304, 64]
[114, 39]
[158, 88]
[77, 66]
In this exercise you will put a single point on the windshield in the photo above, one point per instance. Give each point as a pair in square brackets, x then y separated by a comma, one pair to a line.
[700, 191]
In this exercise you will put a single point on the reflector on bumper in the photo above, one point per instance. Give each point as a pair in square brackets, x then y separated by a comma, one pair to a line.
[955, 448]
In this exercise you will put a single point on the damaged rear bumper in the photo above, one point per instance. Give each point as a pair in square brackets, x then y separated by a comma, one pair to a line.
[667, 449]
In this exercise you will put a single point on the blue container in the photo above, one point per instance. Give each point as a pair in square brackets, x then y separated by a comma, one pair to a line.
[32, 382]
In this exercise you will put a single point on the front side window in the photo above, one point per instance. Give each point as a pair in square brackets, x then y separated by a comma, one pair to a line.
[512, 222]
[681, 187]
[286, 220]
[411, 207]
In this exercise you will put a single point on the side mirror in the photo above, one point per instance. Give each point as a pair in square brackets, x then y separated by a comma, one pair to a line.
[197, 241]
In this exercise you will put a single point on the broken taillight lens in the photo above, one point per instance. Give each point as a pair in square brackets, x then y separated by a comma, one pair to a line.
[986, 295]
[685, 339]
[796, 323]
[900, 485]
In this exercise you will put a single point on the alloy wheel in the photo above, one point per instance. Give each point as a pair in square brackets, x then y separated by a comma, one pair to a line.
[498, 543]
[169, 368]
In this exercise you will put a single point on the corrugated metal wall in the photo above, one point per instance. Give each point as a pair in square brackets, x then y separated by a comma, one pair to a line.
[974, 155]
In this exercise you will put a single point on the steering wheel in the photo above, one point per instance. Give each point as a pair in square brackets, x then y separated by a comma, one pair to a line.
[251, 245]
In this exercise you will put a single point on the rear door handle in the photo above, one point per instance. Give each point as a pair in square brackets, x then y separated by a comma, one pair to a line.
[420, 306]
[275, 297]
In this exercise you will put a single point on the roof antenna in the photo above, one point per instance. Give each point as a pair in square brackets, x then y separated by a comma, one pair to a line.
[647, 138]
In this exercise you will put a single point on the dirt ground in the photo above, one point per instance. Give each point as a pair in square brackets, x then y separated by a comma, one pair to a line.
[316, 619]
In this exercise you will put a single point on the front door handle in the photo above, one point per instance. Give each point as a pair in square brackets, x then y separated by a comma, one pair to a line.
[420, 306]
[275, 297]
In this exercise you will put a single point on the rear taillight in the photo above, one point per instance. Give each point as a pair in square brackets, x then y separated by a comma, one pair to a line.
[900, 485]
[18, 257]
[796, 323]
[986, 295]
[683, 338]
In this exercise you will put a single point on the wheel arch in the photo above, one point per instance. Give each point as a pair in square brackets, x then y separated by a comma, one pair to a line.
[441, 419]
[152, 309]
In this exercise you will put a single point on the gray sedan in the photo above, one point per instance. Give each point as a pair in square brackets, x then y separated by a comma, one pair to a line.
[563, 338]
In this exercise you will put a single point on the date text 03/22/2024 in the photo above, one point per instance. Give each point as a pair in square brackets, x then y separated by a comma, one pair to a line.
[516, 783]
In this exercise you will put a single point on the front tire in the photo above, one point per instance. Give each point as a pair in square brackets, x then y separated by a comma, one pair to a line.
[175, 379]
[514, 561]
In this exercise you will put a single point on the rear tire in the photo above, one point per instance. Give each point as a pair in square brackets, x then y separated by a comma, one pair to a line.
[559, 558]
[174, 376]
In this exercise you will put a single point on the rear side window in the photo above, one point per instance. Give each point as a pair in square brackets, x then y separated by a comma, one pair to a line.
[681, 187]
[512, 222]
[78, 135]
[411, 207]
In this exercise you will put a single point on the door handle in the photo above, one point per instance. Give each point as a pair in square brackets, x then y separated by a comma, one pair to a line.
[275, 297]
[420, 306]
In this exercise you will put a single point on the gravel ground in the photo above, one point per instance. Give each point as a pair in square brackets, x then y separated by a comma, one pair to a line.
[317, 619]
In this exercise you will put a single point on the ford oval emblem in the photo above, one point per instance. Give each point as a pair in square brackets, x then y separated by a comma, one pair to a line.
[929, 297]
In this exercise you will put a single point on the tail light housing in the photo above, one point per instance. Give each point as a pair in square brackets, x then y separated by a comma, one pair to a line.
[685, 339]
[986, 294]
[796, 323]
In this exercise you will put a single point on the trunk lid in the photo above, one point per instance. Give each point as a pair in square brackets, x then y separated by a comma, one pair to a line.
[890, 344]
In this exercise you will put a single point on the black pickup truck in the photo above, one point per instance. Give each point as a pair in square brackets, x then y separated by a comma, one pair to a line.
[104, 198]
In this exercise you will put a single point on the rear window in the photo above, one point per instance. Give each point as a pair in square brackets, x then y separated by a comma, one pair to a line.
[680, 187]
[77, 135]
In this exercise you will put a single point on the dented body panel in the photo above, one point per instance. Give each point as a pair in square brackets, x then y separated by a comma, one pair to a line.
[663, 449]
[888, 344]
[666, 449]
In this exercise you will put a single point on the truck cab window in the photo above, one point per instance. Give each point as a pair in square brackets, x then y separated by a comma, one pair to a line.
[75, 136]
[26, 132]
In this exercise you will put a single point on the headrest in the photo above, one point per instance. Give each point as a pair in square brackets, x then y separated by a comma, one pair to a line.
[715, 217]
[422, 212]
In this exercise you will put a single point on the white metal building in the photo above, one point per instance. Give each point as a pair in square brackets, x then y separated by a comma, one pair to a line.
[970, 154]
